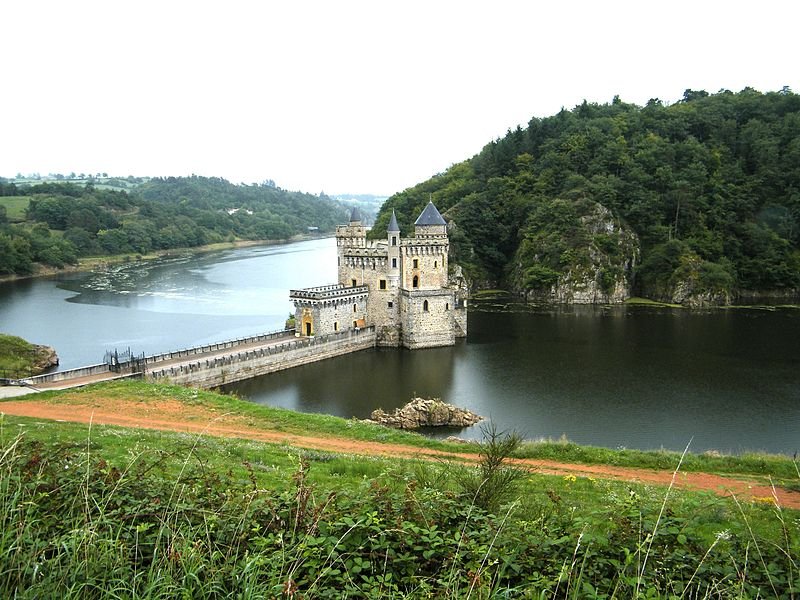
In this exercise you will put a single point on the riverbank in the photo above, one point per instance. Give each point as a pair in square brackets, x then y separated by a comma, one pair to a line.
[93, 263]
[176, 408]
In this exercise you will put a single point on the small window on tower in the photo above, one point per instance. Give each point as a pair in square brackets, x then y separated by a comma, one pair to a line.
[394, 263]
[390, 304]
[394, 240]
[425, 306]
[415, 282]
[354, 282]
[435, 264]
[416, 263]
[383, 284]
[336, 325]
[355, 307]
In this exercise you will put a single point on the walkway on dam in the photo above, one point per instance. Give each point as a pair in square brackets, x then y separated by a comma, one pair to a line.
[155, 362]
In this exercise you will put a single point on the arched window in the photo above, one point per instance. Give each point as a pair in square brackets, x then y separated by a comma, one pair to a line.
[447, 306]
[425, 306]
[415, 282]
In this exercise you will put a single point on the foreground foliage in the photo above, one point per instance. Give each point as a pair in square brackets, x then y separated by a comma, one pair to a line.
[184, 518]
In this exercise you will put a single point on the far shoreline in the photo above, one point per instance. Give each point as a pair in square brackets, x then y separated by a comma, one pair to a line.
[93, 263]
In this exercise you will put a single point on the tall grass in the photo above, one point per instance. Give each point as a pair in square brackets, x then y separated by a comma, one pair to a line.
[173, 521]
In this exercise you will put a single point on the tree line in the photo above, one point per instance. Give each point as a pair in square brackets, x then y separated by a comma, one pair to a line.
[65, 221]
[710, 186]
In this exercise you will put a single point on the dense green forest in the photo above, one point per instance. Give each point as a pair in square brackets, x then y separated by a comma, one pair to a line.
[55, 223]
[698, 199]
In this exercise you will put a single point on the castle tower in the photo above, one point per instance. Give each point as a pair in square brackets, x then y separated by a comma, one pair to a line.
[348, 238]
[425, 255]
[427, 304]
[393, 252]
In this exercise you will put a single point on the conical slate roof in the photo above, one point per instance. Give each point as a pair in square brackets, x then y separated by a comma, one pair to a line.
[430, 216]
[393, 227]
[355, 215]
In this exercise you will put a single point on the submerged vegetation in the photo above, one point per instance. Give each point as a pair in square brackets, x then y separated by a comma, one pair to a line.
[695, 201]
[107, 512]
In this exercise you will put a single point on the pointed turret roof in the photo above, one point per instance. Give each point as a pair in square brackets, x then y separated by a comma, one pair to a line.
[430, 216]
[393, 226]
[355, 215]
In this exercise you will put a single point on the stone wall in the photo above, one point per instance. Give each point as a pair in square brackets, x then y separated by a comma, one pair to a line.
[423, 328]
[217, 371]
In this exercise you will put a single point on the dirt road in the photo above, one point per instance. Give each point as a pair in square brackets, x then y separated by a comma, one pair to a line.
[171, 415]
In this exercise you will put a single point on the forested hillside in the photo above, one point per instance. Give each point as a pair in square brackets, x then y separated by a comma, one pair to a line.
[694, 202]
[55, 223]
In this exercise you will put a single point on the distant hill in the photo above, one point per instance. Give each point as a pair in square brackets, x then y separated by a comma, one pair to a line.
[368, 204]
[55, 222]
[696, 202]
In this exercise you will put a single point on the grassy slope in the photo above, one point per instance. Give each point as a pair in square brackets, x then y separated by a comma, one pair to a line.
[553, 520]
[779, 468]
[16, 356]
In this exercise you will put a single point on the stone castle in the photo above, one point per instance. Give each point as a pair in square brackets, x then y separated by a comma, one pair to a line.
[399, 285]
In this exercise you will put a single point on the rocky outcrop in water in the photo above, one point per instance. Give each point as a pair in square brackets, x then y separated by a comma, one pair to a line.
[45, 358]
[426, 412]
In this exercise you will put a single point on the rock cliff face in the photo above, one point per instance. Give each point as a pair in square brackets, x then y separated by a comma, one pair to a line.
[425, 412]
[589, 261]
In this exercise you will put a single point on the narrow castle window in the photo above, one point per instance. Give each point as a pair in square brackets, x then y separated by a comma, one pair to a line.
[425, 306]
[415, 282]
[355, 324]
[354, 282]
[355, 307]
[435, 264]
[394, 263]
[391, 304]
[336, 325]
[416, 264]
[394, 240]
[447, 306]
[383, 284]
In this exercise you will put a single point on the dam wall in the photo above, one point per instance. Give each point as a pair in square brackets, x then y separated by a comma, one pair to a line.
[236, 366]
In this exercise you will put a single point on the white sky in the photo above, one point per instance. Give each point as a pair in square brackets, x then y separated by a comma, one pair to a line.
[357, 97]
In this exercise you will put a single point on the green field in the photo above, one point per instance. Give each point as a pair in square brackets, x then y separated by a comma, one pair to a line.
[108, 512]
[15, 207]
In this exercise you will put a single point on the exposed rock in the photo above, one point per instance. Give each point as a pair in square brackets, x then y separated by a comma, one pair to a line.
[598, 270]
[426, 412]
[45, 358]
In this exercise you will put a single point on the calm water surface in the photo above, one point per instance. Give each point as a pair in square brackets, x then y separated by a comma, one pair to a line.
[636, 377]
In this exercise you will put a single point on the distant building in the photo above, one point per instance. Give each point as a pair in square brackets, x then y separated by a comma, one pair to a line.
[399, 285]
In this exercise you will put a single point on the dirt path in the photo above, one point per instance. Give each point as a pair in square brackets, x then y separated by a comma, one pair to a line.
[172, 415]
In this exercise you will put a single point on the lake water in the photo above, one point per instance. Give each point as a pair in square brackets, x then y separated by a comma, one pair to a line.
[636, 377]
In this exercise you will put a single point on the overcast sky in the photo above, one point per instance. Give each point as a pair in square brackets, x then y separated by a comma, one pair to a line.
[348, 97]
